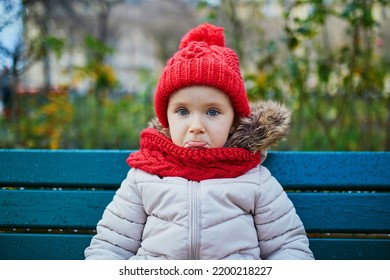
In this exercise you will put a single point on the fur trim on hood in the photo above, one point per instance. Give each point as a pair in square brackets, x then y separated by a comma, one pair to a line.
[267, 124]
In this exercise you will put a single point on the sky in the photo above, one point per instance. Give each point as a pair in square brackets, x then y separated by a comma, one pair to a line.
[10, 30]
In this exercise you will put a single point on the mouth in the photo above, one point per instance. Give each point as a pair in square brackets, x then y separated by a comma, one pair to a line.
[196, 145]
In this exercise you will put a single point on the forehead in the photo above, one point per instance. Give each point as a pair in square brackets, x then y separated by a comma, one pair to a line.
[200, 95]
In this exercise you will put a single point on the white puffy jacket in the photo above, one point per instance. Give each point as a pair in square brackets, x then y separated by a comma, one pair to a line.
[248, 217]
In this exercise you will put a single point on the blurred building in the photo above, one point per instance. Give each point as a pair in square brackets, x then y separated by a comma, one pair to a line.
[138, 31]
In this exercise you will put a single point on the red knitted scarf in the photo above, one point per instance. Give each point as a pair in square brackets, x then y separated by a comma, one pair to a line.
[158, 155]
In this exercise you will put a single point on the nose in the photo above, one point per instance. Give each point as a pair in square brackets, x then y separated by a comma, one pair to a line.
[197, 125]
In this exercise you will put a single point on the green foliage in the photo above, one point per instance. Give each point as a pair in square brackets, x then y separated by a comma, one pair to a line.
[119, 126]
[95, 69]
[41, 45]
[67, 121]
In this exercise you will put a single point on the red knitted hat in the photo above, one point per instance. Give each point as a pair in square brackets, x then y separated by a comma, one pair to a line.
[202, 59]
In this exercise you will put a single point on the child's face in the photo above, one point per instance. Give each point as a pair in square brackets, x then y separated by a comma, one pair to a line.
[200, 117]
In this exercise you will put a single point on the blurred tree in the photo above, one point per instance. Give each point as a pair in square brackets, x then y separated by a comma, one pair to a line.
[47, 23]
[101, 75]
[47, 18]
[346, 97]
[325, 64]
[164, 22]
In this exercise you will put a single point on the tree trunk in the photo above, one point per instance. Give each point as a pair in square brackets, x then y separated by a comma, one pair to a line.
[46, 59]
[387, 144]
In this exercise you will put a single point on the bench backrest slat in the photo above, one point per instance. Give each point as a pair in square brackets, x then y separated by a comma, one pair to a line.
[63, 168]
[55, 209]
[294, 170]
[329, 170]
[330, 212]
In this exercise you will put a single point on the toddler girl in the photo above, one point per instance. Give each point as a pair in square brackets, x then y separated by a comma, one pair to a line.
[196, 188]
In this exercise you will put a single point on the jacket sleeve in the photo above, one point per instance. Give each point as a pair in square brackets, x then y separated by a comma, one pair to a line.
[119, 232]
[280, 231]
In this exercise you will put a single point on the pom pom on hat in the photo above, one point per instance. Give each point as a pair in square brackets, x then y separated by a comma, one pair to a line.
[207, 33]
[202, 59]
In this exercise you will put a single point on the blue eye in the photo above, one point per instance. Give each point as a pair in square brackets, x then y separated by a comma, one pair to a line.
[182, 111]
[213, 112]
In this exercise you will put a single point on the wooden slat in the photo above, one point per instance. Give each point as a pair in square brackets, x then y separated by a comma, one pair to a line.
[343, 212]
[320, 212]
[294, 170]
[71, 247]
[43, 246]
[328, 170]
[52, 209]
[350, 249]
[78, 168]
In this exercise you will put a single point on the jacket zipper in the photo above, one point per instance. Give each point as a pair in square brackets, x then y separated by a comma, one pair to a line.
[194, 220]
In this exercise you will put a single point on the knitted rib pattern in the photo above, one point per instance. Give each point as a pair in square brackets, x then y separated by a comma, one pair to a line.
[158, 155]
[202, 59]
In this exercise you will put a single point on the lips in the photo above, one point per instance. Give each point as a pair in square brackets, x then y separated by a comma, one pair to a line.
[196, 145]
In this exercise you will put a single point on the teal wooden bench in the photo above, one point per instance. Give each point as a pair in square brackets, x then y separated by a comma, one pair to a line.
[50, 201]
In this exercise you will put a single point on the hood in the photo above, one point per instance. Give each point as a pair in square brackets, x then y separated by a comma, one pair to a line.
[267, 124]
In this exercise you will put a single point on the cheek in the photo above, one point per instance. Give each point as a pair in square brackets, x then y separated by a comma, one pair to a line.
[176, 133]
[220, 133]
[225, 125]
